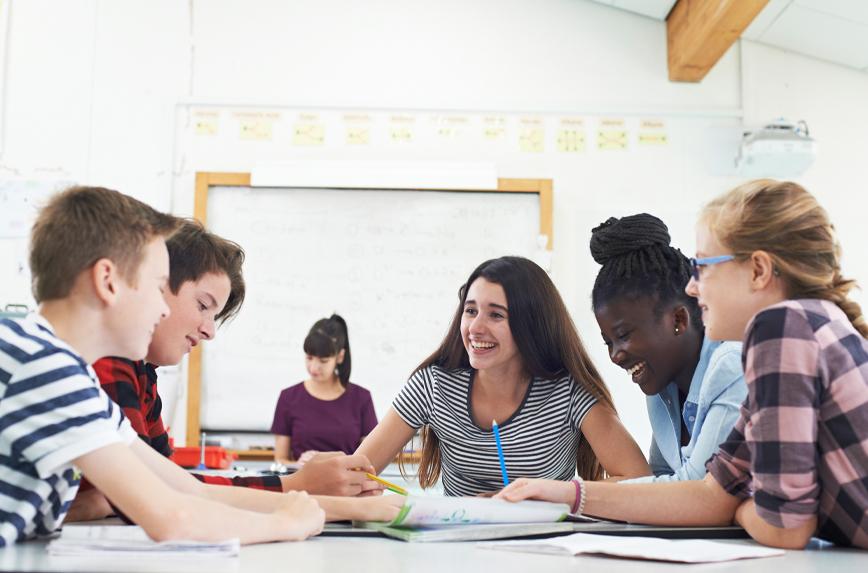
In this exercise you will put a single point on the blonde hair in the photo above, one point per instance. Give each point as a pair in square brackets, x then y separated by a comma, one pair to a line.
[787, 222]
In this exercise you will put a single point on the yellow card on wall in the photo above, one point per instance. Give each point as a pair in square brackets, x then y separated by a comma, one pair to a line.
[652, 138]
[308, 134]
[401, 133]
[531, 140]
[206, 127]
[358, 135]
[571, 140]
[260, 130]
[612, 140]
[447, 131]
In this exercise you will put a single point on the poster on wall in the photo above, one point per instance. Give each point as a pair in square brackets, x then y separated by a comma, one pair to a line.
[20, 201]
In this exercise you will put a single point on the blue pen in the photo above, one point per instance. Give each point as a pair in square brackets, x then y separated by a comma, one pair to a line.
[500, 453]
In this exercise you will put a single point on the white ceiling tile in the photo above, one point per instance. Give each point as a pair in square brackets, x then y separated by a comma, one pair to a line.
[852, 10]
[819, 35]
[657, 9]
[764, 19]
[606, 2]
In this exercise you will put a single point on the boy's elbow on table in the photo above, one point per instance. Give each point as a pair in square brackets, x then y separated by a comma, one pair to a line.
[173, 523]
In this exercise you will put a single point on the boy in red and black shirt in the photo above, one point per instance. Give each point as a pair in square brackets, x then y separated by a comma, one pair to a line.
[133, 387]
[206, 287]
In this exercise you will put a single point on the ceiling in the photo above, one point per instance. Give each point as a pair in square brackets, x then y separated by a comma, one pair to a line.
[831, 30]
[657, 9]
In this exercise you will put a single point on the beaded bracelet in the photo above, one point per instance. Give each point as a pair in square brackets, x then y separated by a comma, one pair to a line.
[579, 506]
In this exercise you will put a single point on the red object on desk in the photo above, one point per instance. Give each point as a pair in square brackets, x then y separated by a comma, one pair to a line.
[216, 458]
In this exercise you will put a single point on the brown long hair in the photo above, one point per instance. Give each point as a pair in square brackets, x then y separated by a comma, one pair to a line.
[546, 338]
[787, 222]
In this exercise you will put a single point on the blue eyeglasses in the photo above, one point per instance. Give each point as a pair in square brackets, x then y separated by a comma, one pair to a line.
[696, 263]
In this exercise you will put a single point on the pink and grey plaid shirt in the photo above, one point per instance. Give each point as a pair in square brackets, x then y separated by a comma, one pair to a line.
[800, 446]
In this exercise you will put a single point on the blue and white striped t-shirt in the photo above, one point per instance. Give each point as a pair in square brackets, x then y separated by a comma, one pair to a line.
[52, 411]
[540, 440]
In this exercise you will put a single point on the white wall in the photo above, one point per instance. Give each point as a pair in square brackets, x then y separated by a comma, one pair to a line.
[91, 87]
[832, 99]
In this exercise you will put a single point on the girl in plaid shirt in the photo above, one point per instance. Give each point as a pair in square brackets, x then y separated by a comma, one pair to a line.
[796, 463]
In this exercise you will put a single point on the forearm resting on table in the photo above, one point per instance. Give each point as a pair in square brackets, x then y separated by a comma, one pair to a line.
[686, 503]
[683, 503]
[132, 486]
[794, 538]
[381, 508]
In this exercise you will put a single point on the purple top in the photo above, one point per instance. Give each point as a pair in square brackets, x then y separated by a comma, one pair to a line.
[324, 425]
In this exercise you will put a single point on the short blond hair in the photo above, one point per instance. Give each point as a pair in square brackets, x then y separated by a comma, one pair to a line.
[787, 222]
[82, 225]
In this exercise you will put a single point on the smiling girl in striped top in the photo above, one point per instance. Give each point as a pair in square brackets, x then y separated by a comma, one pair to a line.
[511, 354]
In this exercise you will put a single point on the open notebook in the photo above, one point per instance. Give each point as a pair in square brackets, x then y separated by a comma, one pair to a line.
[472, 519]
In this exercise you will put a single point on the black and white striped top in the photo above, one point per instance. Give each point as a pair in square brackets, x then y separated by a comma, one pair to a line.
[540, 440]
[52, 411]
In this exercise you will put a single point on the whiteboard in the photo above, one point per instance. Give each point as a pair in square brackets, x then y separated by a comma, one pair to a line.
[389, 262]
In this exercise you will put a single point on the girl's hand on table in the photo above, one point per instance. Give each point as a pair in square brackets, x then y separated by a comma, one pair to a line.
[381, 508]
[540, 489]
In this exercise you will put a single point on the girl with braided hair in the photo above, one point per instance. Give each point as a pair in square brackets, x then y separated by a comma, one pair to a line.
[796, 463]
[694, 386]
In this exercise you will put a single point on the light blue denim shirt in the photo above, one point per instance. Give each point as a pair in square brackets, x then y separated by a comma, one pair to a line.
[717, 390]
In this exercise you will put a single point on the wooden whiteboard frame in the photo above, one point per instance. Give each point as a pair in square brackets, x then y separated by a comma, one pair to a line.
[204, 182]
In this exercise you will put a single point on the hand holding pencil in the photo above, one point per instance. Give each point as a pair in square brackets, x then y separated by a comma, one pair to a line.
[389, 486]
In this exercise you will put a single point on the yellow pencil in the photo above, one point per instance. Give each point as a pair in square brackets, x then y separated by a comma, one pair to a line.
[389, 486]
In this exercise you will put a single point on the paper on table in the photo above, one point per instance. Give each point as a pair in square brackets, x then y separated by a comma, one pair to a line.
[428, 511]
[650, 548]
[90, 540]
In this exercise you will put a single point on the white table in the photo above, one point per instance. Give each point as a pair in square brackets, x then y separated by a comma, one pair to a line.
[361, 555]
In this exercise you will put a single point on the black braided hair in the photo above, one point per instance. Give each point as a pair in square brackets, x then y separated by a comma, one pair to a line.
[638, 262]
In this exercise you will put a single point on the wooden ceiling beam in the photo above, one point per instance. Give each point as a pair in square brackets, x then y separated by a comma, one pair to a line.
[699, 32]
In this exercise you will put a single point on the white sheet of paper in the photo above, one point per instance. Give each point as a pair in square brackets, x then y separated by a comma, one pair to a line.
[86, 540]
[651, 548]
[467, 510]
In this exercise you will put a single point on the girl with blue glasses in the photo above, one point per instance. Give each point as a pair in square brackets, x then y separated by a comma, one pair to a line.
[796, 462]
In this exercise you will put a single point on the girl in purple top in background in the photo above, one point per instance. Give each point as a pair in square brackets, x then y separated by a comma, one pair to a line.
[796, 463]
[326, 412]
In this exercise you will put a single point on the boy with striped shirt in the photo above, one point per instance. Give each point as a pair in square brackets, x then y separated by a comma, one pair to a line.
[100, 267]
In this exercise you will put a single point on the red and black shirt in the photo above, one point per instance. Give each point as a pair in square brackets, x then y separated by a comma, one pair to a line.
[133, 386]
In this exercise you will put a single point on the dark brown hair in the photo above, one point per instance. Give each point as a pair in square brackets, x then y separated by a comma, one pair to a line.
[82, 225]
[194, 251]
[546, 338]
[327, 338]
